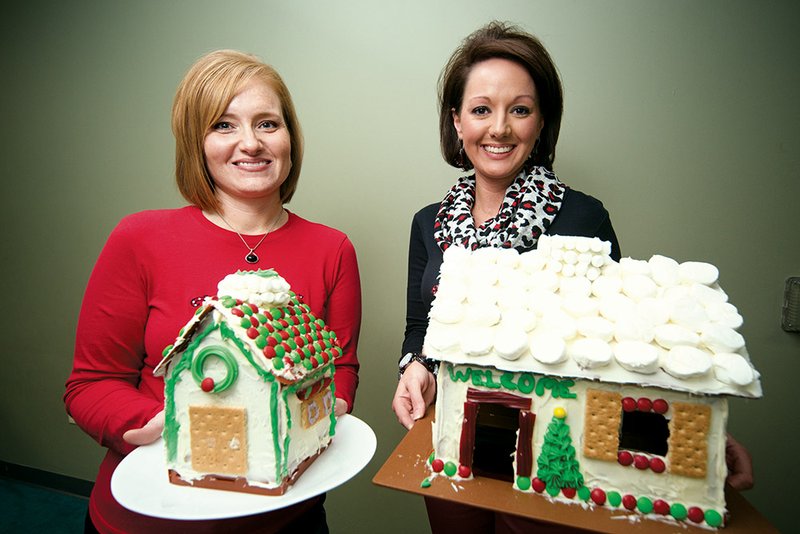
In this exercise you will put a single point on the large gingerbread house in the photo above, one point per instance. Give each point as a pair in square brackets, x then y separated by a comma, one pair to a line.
[585, 379]
[248, 388]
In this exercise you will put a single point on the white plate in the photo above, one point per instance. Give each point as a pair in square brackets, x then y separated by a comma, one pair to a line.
[141, 484]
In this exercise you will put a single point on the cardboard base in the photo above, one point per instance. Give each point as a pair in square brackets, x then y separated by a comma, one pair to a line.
[406, 468]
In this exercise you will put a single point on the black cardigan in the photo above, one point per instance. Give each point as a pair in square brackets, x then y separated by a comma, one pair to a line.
[579, 215]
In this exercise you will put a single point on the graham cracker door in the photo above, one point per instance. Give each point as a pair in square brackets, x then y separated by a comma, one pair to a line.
[219, 439]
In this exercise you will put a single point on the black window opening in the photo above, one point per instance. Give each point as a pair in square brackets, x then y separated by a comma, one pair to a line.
[644, 432]
[495, 441]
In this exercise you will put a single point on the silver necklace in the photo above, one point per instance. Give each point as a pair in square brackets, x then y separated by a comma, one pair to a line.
[251, 256]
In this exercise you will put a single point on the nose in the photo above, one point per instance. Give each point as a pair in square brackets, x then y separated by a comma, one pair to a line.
[249, 141]
[500, 126]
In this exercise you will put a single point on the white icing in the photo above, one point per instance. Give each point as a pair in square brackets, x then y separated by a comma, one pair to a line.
[547, 348]
[733, 369]
[477, 341]
[686, 362]
[268, 291]
[719, 338]
[510, 342]
[673, 335]
[590, 353]
[698, 272]
[637, 356]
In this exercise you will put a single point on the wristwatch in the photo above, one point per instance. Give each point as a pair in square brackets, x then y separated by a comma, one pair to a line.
[410, 357]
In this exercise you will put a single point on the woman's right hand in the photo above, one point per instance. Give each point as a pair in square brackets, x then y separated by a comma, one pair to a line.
[150, 432]
[415, 392]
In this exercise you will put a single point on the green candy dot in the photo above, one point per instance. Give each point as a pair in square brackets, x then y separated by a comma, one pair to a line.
[228, 302]
[277, 363]
[614, 498]
[552, 490]
[296, 357]
[326, 335]
[292, 344]
[524, 483]
[181, 331]
[584, 494]
[302, 329]
[678, 511]
[261, 342]
[247, 309]
[263, 331]
[644, 505]
[245, 322]
[276, 313]
[713, 518]
[306, 352]
[280, 352]
[431, 457]
[307, 365]
[425, 483]
[450, 469]
[261, 318]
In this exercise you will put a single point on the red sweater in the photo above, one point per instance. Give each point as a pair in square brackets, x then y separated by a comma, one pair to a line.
[154, 270]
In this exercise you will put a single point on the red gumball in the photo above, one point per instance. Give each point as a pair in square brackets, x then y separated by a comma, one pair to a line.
[629, 502]
[538, 485]
[569, 493]
[641, 462]
[661, 507]
[207, 384]
[625, 458]
[657, 465]
[629, 404]
[695, 514]
[644, 404]
[598, 496]
[464, 471]
[660, 406]
[437, 465]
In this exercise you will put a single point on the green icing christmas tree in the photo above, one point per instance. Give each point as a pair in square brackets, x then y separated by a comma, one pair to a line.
[558, 467]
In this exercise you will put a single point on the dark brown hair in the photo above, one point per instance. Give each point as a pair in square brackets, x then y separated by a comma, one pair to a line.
[202, 97]
[501, 40]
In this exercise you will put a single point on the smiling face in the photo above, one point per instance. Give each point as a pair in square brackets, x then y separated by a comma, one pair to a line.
[248, 149]
[499, 120]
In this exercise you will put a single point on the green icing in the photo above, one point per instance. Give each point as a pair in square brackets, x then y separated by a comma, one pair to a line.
[558, 467]
[218, 351]
[523, 382]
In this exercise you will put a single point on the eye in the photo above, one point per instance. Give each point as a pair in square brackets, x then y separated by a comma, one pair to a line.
[521, 111]
[268, 125]
[222, 126]
[480, 110]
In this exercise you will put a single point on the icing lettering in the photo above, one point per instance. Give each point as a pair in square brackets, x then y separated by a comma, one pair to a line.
[523, 382]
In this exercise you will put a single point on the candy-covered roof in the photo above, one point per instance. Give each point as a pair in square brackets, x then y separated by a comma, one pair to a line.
[281, 333]
[568, 309]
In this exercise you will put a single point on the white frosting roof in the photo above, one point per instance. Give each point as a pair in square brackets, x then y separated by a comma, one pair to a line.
[568, 309]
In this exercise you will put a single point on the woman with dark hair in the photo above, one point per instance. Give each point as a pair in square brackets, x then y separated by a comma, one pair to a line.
[238, 155]
[500, 106]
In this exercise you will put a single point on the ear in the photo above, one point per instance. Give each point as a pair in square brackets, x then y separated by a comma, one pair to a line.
[456, 121]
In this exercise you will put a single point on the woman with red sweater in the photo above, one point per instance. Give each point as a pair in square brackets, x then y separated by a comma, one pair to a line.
[239, 150]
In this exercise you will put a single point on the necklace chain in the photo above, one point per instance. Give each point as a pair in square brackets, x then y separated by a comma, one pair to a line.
[251, 256]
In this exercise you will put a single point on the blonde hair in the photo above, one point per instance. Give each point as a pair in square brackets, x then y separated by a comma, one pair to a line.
[202, 97]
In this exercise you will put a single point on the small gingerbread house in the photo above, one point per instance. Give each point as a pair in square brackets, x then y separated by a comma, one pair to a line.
[248, 388]
[586, 379]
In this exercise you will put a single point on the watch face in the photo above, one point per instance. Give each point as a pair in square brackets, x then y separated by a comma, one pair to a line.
[405, 360]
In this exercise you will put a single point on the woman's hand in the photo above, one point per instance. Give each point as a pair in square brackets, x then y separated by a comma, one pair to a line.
[740, 465]
[415, 392]
[340, 407]
[148, 433]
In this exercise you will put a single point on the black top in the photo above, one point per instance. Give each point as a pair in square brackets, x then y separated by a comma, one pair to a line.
[579, 215]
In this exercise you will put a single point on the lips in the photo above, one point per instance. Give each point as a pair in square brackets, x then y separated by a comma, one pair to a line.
[498, 149]
[252, 165]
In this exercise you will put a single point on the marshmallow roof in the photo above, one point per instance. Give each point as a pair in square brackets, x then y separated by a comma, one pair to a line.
[568, 309]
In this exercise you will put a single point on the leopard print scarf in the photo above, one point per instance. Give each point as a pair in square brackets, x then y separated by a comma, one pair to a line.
[530, 205]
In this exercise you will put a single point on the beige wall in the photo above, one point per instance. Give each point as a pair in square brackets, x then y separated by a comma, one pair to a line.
[681, 116]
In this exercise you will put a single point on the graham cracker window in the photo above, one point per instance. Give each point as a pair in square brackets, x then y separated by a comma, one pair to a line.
[688, 440]
[218, 439]
[601, 425]
[316, 408]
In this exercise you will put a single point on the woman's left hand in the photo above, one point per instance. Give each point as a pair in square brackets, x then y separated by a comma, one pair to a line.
[740, 465]
[148, 433]
[340, 407]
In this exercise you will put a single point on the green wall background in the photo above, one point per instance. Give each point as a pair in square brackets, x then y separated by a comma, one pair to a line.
[681, 116]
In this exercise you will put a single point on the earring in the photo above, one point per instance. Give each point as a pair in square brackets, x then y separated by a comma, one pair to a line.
[535, 150]
[461, 155]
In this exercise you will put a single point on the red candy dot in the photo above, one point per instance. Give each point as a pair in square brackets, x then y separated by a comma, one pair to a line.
[625, 458]
[661, 507]
[569, 493]
[641, 462]
[437, 465]
[628, 404]
[464, 471]
[598, 496]
[207, 384]
[538, 485]
[657, 465]
[644, 404]
[269, 351]
[254, 321]
[252, 333]
[253, 307]
[284, 335]
[288, 361]
[695, 514]
[660, 406]
[237, 312]
[629, 502]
